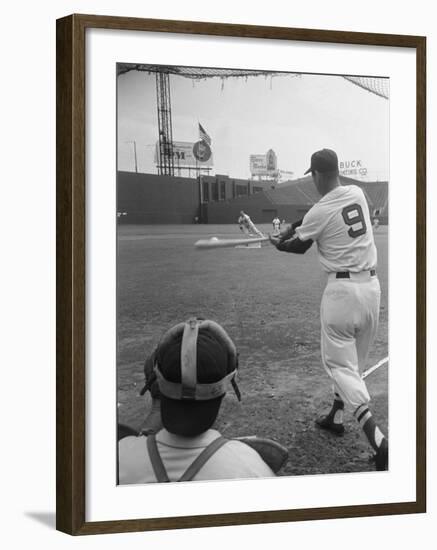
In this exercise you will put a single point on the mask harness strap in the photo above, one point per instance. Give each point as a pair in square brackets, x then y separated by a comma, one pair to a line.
[189, 359]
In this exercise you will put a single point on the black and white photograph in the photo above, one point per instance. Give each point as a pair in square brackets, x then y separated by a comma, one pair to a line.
[252, 273]
[218, 293]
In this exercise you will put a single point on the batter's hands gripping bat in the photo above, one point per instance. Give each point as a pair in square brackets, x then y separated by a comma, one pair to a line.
[288, 232]
[214, 242]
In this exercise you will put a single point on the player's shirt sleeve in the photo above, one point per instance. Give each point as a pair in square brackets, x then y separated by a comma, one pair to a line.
[312, 225]
[294, 245]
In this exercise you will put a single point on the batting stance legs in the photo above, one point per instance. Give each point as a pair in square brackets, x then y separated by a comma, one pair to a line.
[349, 318]
[349, 322]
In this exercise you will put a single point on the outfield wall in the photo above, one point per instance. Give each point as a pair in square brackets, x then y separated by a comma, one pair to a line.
[154, 199]
[150, 199]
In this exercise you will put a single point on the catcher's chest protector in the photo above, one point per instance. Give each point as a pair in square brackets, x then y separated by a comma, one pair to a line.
[192, 470]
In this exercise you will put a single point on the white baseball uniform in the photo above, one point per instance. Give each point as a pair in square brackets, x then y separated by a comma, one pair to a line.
[276, 225]
[340, 224]
[248, 226]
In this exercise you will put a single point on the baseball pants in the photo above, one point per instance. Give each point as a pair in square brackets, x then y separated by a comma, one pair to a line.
[349, 314]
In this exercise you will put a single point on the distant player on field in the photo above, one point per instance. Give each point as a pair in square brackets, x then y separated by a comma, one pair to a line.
[247, 226]
[375, 219]
[340, 224]
[276, 222]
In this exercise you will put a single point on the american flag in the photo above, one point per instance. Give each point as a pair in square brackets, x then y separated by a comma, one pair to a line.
[203, 136]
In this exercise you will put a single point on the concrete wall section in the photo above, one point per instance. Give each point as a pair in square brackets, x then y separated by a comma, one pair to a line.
[153, 199]
[150, 199]
[222, 187]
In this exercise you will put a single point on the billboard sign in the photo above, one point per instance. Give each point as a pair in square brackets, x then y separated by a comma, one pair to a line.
[184, 154]
[271, 161]
[264, 165]
[352, 168]
[258, 164]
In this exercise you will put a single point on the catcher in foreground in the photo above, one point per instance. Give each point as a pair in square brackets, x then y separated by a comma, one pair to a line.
[193, 366]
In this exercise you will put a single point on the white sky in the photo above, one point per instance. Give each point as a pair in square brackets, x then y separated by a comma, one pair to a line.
[294, 116]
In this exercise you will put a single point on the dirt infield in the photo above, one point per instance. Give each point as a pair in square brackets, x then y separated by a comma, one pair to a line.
[269, 303]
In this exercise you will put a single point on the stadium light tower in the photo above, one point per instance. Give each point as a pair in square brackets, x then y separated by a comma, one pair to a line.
[165, 129]
[162, 75]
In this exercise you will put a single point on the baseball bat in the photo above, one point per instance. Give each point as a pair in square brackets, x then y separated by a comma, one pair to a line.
[372, 369]
[214, 242]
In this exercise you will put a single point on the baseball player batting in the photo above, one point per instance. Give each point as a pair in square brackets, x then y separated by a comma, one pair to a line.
[340, 224]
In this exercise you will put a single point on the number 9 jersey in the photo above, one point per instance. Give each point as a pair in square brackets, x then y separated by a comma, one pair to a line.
[340, 224]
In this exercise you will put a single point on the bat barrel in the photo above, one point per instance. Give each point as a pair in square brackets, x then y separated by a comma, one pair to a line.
[214, 242]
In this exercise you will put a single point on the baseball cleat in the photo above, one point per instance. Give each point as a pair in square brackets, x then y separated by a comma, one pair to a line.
[326, 423]
[381, 456]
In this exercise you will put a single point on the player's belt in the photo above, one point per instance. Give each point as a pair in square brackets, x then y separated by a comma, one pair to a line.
[347, 275]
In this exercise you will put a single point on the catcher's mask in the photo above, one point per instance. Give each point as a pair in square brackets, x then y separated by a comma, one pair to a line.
[194, 363]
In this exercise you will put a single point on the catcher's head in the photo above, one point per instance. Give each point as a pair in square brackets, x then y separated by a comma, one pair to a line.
[195, 362]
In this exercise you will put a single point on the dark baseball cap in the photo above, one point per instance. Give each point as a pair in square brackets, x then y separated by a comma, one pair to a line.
[323, 161]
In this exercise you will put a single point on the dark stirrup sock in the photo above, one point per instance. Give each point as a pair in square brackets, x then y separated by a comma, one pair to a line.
[368, 424]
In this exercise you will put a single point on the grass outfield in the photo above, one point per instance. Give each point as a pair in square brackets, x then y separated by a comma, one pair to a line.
[269, 303]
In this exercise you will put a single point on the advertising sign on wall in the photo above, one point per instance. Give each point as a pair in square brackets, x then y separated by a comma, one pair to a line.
[187, 153]
[264, 165]
[352, 168]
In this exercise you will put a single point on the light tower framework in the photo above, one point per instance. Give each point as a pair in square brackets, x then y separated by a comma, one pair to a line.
[165, 153]
[165, 128]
